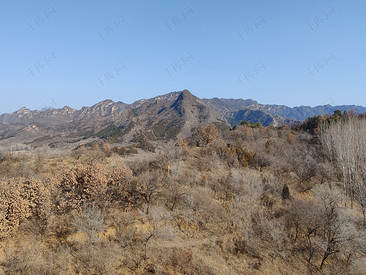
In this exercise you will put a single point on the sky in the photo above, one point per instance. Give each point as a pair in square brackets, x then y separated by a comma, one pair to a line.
[78, 53]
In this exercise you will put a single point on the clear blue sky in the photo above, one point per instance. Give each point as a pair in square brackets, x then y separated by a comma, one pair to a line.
[77, 53]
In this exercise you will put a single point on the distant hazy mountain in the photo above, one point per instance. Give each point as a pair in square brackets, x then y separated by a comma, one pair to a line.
[225, 106]
[164, 117]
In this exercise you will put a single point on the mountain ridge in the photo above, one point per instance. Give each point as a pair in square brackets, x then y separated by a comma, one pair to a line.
[168, 116]
[247, 103]
[220, 105]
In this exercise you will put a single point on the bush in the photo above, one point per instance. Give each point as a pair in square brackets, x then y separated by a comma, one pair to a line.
[91, 184]
[242, 155]
[285, 192]
[21, 199]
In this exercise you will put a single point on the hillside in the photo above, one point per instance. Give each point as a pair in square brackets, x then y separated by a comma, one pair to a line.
[249, 200]
[166, 117]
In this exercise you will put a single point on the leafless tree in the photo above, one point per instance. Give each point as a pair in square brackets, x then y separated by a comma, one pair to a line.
[91, 222]
[174, 194]
[157, 226]
[150, 184]
[306, 218]
[345, 144]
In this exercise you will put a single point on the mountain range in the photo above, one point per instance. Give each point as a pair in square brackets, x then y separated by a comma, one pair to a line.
[164, 117]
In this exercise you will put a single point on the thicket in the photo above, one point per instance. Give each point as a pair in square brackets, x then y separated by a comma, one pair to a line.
[252, 200]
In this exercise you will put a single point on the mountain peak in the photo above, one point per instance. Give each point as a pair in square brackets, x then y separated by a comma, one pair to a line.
[67, 108]
[187, 104]
[23, 110]
[104, 102]
[185, 94]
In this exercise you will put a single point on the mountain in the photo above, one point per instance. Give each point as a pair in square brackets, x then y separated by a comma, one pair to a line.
[171, 116]
[227, 106]
[165, 117]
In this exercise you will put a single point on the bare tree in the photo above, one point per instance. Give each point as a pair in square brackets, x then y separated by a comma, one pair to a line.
[150, 184]
[345, 144]
[306, 218]
[157, 221]
[337, 228]
[91, 222]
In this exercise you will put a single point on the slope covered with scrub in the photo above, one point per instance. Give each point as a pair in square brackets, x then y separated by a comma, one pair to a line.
[250, 200]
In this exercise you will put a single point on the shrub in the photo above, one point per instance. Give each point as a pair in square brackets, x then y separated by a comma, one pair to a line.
[21, 199]
[251, 125]
[207, 134]
[81, 185]
[242, 155]
[285, 192]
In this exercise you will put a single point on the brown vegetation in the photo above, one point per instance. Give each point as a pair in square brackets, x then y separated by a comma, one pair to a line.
[252, 200]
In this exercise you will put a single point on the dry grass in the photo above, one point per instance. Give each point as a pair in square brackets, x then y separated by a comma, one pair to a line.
[214, 209]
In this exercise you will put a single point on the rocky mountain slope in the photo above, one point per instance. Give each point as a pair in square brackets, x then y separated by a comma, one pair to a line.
[164, 117]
